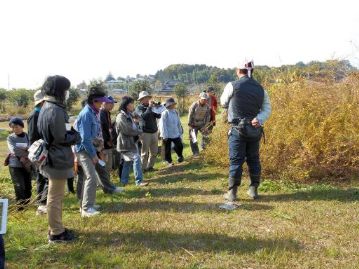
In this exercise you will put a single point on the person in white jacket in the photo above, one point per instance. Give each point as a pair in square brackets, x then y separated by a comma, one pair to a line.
[171, 131]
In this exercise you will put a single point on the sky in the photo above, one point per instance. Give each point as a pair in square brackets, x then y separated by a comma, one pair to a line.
[87, 39]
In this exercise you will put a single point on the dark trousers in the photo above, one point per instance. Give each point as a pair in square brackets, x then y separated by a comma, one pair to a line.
[168, 148]
[243, 150]
[2, 253]
[22, 184]
[42, 184]
[80, 181]
[194, 146]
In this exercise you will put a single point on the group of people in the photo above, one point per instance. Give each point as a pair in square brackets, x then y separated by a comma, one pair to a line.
[93, 145]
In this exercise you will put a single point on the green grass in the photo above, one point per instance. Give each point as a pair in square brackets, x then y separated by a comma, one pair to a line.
[176, 223]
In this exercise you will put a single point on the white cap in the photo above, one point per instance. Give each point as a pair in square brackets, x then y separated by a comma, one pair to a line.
[249, 65]
[203, 95]
[143, 94]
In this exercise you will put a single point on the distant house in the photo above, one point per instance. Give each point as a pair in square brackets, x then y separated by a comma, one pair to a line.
[168, 86]
[119, 91]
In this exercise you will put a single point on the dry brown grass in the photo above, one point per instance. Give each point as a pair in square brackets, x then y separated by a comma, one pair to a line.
[312, 133]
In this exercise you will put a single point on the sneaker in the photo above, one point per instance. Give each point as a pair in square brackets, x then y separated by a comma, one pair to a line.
[91, 212]
[169, 164]
[117, 190]
[230, 196]
[66, 236]
[41, 210]
[142, 184]
[180, 159]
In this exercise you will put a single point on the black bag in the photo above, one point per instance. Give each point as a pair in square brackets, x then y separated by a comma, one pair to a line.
[7, 160]
[247, 130]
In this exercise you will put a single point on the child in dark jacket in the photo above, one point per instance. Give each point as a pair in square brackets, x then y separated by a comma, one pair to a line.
[19, 164]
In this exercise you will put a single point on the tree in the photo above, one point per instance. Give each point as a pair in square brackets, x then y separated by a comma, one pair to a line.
[138, 86]
[21, 97]
[213, 82]
[181, 92]
[109, 77]
[73, 98]
[81, 86]
[3, 96]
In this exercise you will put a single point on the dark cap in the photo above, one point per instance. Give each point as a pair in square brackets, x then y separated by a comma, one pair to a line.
[16, 121]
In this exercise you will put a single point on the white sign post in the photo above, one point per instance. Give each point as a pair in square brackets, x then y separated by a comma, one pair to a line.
[3, 216]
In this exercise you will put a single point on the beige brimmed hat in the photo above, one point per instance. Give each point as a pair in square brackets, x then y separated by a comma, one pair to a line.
[142, 95]
[38, 97]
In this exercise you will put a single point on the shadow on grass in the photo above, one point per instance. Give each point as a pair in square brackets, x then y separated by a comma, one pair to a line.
[167, 241]
[183, 207]
[100, 249]
[332, 194]
[185, 176]
[168, 192]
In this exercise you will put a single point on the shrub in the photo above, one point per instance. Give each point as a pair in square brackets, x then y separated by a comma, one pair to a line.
[312, 132]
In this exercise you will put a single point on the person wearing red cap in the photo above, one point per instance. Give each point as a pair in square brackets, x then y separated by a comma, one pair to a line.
[248, 108]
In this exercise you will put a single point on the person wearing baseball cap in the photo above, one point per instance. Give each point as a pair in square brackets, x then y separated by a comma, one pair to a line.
[198, 119]
[106, 126]
[248, 107]
[89, 126]
[148, 123]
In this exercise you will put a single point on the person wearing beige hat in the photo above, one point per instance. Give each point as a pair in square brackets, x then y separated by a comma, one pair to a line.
[41, 181]
[149, 137]
[198, 119]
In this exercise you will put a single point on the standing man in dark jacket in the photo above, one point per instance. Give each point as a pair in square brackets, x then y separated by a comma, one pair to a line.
[148, 124]
[106, 126]
[41, 181]
[248, 108]
[54, 128]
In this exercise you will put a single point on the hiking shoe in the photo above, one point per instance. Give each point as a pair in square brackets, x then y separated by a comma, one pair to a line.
[231, 195]
[142, 184]
[117, 190]
[180, 159]
[253, 192]
[41, 210]
[91, 212]
[66, 236]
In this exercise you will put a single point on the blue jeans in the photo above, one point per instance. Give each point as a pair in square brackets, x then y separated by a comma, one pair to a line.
[137, 169]
[243, 150]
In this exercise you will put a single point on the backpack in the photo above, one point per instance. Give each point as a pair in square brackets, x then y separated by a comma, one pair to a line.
[38, 152]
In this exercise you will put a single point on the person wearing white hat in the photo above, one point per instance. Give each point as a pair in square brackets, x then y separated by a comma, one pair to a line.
[41, 181]
[149, 137]
[248, 107]
[198, 119]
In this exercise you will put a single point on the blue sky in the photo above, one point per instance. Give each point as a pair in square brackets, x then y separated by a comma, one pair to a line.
[86, 39]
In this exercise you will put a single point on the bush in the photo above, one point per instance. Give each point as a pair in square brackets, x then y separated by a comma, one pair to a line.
[312, 133]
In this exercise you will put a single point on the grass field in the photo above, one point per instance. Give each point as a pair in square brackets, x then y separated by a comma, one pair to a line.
[176, 223]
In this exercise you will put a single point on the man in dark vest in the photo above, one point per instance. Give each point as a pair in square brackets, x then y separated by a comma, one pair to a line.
[248, 107]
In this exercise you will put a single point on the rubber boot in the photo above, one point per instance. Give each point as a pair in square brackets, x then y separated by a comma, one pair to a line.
[253, 188]
[231, 195]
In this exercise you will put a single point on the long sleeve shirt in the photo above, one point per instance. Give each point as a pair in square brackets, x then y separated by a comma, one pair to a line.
[170, 124]
[15, 150]
[88, 126]
[262, 116]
